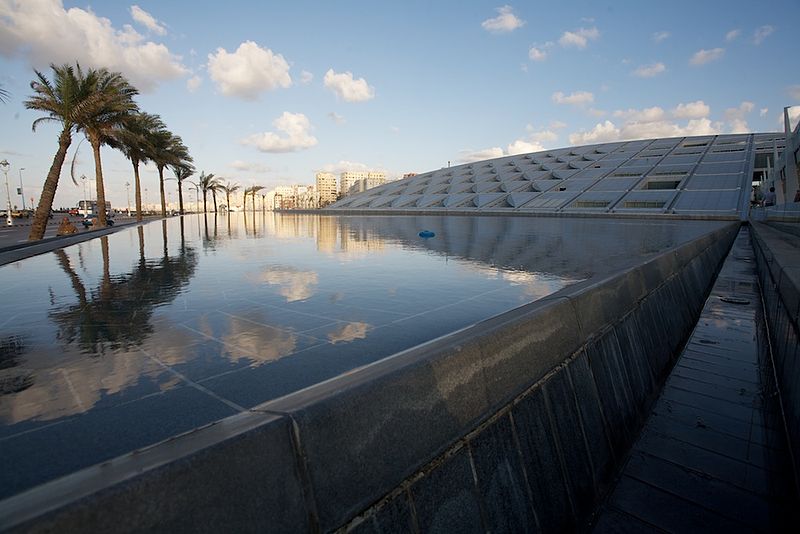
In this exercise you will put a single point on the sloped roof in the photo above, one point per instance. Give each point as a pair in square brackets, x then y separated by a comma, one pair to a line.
[708, 175]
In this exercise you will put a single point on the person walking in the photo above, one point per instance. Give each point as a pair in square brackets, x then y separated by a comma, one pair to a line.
[769, 197]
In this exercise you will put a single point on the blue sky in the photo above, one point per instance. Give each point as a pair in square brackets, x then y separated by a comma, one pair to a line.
[269, 93]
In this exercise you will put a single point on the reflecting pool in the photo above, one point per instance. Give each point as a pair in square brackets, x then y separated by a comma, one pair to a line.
[125, 340]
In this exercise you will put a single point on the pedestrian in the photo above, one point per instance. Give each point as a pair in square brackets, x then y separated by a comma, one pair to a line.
[797, 196]
[769, 197]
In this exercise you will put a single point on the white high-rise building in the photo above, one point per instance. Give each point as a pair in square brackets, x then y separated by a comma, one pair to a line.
[326, 188]
[356, 182]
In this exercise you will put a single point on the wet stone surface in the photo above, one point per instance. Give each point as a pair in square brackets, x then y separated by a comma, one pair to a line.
[710, 456]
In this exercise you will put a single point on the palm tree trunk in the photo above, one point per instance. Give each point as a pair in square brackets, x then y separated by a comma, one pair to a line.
[205, 210]
[214, 195]
[161, 188]
[98, 177]
[254, 201]
[138, 187]
[49, 189]
[180, 197]
[228, 201]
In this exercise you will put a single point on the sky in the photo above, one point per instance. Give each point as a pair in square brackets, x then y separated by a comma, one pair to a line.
[269, 93]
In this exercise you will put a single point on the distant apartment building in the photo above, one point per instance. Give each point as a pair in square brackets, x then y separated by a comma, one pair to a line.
[356, 182]
[326, 188]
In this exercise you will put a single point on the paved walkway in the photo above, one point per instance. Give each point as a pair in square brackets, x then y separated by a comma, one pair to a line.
[712, 455]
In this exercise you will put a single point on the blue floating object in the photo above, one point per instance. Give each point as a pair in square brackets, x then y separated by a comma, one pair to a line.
[426, 234]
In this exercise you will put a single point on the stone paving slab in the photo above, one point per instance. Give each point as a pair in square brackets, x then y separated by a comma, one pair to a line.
[713, 455]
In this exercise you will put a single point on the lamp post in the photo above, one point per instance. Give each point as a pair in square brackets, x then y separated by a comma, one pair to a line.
[128, 192]
[5, 165]
[146, 207]
[85, 202]
[21, 192]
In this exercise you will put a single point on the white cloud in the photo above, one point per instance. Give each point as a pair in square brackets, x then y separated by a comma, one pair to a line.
[147, 20]
[468, 156]
[761, 33]
[557, 125]
[692, 110]
[506, 21]
[652, 114]
[544, 135]
[297, 130]
[245, 166]
[533, 142]
[736, 117]
[601, 133]
[579, 38]
[44, 32]
[578, 98]
[763, 112]
[653, 122]
[335, 117]
[794, 92]
[306, 77]
[193, 83]
[733, 35]
[649, 130]
[348, 89]
[540, 52]
[594, 112]
[537, 54]
[521, 146]
[346, 166]
[649, 71]
[701, 57]
[249, 71]
[660, 36]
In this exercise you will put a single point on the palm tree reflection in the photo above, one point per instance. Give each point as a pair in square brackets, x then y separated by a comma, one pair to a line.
[117, 314]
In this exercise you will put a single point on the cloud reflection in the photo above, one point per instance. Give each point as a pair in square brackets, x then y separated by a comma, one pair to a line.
[349, 332]
[293, 284]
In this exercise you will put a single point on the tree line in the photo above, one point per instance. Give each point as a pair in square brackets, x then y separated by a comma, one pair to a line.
[100, 104]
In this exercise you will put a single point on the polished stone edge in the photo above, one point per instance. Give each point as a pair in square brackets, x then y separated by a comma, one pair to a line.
[778, 259]
[22, 251]
[511, 212]
[326, 453]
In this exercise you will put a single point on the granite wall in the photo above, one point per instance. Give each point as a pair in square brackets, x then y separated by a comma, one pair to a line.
[778, 258]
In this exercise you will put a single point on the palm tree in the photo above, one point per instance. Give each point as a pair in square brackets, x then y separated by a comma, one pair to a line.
[182, 172]
[133, 139]
[253, 190]
[68, 100]
[207, 182]
[117, 105]
[229, 188]
[167, 149]
[3, 95]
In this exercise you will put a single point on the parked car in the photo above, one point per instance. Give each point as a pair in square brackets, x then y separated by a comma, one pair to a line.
[91, 220]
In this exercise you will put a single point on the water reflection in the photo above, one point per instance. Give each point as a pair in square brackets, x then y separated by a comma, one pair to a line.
[116, 315]
[294, 284]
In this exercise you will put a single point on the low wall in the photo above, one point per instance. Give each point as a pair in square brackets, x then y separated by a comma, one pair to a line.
[518, 421]
[778, 260]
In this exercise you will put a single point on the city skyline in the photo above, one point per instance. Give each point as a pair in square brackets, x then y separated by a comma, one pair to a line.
[271, 96]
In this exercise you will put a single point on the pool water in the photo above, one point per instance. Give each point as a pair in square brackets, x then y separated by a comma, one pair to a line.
[125, 340]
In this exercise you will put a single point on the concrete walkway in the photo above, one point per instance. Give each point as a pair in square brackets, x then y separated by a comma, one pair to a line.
[713, 455]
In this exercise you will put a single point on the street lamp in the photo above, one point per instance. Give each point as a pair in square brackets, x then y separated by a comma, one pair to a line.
[85, 202]
[128, 191]
[5, 165]
[146, 205]
[21, 192]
